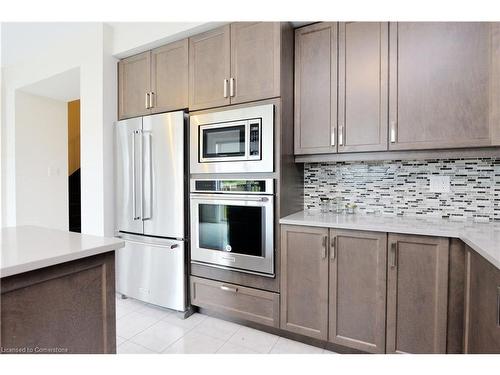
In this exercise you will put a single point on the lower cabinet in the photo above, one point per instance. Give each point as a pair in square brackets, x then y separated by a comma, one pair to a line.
[417, 294]
[358, 289]
[304, 281]
[237, 301]
[482, 306]
[371, 291]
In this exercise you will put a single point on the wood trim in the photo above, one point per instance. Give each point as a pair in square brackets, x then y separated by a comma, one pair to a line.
[467, 292]
[484, 152]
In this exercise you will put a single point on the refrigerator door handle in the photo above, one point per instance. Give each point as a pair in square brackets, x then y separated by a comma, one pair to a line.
[134, 174]
[147, 168]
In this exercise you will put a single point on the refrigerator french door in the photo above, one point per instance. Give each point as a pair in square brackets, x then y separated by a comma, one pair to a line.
[150, 208]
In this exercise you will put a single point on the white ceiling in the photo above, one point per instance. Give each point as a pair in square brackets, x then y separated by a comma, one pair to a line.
[64, 86]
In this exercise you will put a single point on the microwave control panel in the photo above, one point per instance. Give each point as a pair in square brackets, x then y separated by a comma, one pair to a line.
[254, 151]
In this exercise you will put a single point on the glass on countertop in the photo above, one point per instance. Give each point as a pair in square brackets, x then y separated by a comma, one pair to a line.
[324, 205]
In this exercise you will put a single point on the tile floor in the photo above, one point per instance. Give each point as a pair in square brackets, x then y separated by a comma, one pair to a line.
[147, 329]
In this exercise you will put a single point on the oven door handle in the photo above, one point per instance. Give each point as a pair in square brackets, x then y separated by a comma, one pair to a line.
[231, 198]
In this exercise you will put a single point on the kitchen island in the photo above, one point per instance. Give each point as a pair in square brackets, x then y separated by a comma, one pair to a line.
[57, 291]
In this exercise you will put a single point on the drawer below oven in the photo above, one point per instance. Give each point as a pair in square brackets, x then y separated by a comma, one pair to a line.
[236, 301]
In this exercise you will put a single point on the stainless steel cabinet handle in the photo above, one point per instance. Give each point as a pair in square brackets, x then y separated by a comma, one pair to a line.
[146, 104]
[147, 170]
[394, 251]
[229, 289]
[393, 132]
[332, 137]
[151, 99]
[231, 87]
[333, 254]
[225, 87]
[341, 135]
[325, 247]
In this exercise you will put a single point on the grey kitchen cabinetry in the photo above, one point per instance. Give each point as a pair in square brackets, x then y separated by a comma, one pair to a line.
[134, 84]
[444, 89]
[169, 77]
[236, 63]
[237, 301]
[304, 281]
[316, 88]
[363, 86]
[209, 69]
[153, 81]
[357, 291]
[417, 294]
[482, 306]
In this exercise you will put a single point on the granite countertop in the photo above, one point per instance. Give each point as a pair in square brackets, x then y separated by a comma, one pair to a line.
[484, 238]
[27, 248]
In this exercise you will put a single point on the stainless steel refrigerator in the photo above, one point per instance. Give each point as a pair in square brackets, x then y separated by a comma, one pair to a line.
[150, 208]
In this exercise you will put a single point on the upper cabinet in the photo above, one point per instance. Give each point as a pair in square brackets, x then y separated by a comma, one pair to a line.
[134, 85]
[236, 63]
[153, 81]
[169, 77]
[316, 88]
[363, 86]
[255, 61]
[209, 69]
[441, 84]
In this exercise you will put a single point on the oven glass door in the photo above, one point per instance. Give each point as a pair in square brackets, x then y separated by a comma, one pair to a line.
[233, 231]
[223, 141]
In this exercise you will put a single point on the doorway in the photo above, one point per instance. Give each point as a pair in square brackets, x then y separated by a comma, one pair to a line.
[74, 190]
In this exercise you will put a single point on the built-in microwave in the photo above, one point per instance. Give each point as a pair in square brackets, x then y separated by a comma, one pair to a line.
[233, 141]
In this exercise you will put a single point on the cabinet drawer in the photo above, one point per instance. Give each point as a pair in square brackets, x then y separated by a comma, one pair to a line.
[236, 301]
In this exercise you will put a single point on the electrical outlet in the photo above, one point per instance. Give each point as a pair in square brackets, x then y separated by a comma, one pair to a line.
[439, 184]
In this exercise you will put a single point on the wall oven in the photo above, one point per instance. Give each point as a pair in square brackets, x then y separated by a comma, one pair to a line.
[232, 224]
[233, 141]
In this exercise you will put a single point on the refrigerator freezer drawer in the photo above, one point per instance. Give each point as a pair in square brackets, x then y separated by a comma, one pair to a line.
[152, 272]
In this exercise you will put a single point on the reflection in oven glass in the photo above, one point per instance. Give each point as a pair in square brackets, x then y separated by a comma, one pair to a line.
[238, 229]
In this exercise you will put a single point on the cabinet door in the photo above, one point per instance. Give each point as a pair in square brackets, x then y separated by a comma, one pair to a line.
[482, 306]
[358, 289]
[209, 69]
[439, 84]
[417, 294]
[169, 78]
[304, 281]
[363, 86]
[134, 75]
[316, 89]
[255, 61]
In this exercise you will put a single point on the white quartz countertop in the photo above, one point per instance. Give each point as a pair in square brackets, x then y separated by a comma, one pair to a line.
[484, 238]
[27, 248]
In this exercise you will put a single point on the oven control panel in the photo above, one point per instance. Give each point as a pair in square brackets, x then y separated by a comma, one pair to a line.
[262, 186]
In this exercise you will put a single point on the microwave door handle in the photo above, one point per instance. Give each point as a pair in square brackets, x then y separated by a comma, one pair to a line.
[147, 169]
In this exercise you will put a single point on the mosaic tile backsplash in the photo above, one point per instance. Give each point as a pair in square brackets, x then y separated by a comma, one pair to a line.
[403, 187]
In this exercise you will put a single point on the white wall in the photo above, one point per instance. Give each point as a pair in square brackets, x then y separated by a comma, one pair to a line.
[89, 53]
[92, 48]
[41, 161]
